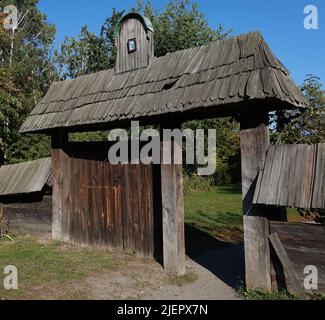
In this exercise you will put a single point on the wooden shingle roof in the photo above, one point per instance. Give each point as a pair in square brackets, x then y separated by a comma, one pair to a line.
[293, 176]
[224, 76]
[24, 178]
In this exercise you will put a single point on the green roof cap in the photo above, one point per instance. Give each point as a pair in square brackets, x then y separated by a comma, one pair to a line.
[146, 22]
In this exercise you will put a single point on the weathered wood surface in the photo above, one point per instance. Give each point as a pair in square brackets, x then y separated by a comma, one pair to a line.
[297, 288]
[257, 253]
[221, 79]
[254, 137]
[60, 188]
[26, 177]
[100, 204]
[305, 245]
[133, 28]
[293, 176]
[32, 217]
[173, 208]
[111, 205]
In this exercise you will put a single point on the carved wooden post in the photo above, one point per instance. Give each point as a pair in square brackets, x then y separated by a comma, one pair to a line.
[254, 137]
[60, 181]
[172, 208]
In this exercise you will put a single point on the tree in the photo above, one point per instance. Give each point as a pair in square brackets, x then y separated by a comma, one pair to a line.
[89, 53]
[180, 26]
[304, 125]
[26, 72]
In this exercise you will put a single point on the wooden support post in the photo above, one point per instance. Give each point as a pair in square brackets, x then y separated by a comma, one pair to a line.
[173, 208]
[254, 137]
[60, 180]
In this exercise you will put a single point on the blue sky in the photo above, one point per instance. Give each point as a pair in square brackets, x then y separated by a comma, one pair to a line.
[280, 21]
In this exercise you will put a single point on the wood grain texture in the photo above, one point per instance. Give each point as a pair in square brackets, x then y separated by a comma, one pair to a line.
[133, 28]
[293, 176]
[254, 136]
[257, 253]
[287, 266]
[172, 190]
[111, 205]
[24, 178]
[305, 245]
[60, 180]
[30, 217]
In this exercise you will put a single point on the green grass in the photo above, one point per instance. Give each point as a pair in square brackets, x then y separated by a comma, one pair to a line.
[275, 295]
[53, 264]
[218, 212]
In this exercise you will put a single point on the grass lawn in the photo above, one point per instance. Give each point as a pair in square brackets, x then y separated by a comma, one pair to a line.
[49, 264]
[219, 213]
[50, 269]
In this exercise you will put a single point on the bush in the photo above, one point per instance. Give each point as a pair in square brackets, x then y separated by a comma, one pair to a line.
[194, 184]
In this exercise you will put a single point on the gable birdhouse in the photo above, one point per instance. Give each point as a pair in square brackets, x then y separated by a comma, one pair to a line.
[135, 42]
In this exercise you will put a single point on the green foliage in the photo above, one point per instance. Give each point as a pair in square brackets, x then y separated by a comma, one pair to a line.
[179, 26]
[307, 125]
[90, 53]
[260, 295]
[26, 72]
[194, 184]
[228, 149]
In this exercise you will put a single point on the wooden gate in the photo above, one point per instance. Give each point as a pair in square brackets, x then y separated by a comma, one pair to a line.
[111, 205]
[102, 204]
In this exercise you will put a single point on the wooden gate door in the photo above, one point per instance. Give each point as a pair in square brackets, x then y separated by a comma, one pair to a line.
[111, 205]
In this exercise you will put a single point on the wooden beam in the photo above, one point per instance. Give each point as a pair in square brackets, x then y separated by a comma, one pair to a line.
[254, 135]
[173, 209]
[287, 266]
[61, 192]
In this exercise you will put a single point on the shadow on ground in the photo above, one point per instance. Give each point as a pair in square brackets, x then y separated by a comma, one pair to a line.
[224, 260]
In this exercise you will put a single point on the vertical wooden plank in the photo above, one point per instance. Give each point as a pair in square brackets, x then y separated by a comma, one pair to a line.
[118, 207]
[102, 195]
[318, 200]
[109, 206]
[272, 195]
[266, 175]
[173, 210]
[127, 211]
[307, 186]
[61, 191]
[287, 179]
[254, 137]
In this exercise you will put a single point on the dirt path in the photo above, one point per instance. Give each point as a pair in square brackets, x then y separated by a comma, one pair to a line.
[206, 287]
[141, 279]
